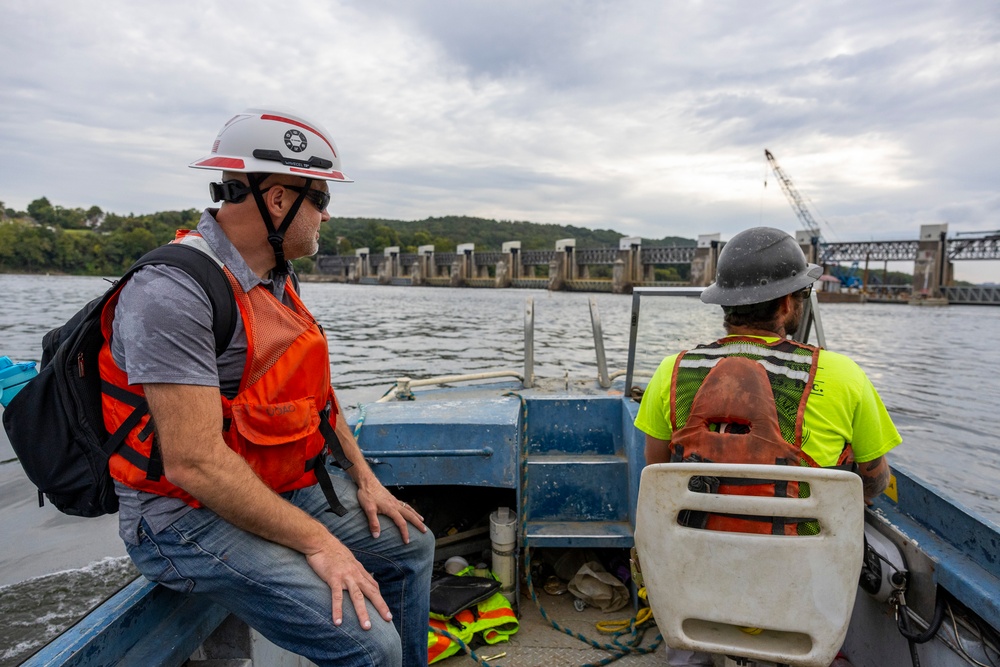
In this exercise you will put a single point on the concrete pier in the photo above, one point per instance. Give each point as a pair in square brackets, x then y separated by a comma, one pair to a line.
[932, 270]
[809, 244]
[706, 257]
[567, 267]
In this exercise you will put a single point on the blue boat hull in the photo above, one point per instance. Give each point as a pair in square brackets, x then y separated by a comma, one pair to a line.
[572, 464]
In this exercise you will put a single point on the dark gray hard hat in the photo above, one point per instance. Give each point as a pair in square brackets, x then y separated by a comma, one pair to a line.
[758, 265]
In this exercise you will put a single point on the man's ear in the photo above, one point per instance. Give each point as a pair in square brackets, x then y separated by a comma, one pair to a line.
[787, 305]
[276, 199]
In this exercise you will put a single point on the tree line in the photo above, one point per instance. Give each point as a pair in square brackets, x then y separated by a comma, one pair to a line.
[48, 238]
[444, 233]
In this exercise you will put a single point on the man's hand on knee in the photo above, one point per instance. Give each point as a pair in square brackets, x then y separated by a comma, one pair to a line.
[337, 566]
[375, 499]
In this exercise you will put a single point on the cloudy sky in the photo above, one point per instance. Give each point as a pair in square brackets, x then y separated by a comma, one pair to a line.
[647, 117]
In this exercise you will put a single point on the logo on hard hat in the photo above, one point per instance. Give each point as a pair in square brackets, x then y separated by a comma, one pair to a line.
[296, 141]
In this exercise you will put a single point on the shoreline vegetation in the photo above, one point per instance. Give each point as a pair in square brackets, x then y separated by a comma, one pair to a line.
[48, 238]
[51, 239]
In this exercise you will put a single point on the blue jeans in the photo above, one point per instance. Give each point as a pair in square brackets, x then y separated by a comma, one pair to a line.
[273, 590]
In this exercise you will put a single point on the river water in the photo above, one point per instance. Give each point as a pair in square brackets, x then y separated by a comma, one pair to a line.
[935, 368]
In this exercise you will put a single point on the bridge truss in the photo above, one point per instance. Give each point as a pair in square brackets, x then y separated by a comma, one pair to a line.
[901, 251]
[980, 248]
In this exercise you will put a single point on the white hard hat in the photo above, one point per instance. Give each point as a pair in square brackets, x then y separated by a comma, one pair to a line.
[274, 142]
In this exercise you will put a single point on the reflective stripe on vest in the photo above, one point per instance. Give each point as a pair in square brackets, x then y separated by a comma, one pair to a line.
[742, 400]
[440, 647]
[493, 619]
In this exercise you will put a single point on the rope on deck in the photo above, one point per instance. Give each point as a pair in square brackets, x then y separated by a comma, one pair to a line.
[465, 647]
[619, 648]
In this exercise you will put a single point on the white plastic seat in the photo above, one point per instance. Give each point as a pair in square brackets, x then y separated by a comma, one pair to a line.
[705, 586]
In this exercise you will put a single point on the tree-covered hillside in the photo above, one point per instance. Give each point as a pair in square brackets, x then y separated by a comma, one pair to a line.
[343, 235]
[50, 238]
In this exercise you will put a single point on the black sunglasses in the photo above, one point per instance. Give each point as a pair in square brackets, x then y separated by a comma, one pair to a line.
[319, 198]
[236, 192]
[804, 292]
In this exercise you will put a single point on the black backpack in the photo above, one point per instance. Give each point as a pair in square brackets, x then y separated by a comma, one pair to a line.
[56, 423]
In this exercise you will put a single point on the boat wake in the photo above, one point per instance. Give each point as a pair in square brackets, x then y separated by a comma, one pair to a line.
[37, 610]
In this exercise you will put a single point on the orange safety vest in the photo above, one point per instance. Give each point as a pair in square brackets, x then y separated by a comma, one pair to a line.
[742, 400]
[282, 419]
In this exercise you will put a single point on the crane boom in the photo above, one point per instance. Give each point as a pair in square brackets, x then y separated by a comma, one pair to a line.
[798, 205]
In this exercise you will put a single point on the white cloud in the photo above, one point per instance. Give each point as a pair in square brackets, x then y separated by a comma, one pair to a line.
[646, 117]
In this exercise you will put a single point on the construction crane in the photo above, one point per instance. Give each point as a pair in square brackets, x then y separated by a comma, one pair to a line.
[798, 205]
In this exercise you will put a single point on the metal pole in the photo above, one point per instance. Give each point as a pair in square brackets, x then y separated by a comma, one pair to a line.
[810, 317]
[632, 334]
[814, 313]
[602, 362]
[529, 343]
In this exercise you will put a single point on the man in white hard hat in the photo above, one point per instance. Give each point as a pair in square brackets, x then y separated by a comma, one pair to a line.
[757, 397]
[225, 492]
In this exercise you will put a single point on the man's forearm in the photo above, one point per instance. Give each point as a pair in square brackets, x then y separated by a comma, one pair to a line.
[196, 459]
[657, 451]
[230, 488]
[875, 477]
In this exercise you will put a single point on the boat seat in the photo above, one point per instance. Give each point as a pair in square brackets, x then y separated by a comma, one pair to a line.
[785, 599]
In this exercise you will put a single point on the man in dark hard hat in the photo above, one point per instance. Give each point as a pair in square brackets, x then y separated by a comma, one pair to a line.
[757, 397]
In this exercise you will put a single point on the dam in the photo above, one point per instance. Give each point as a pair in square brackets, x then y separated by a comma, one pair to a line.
[567, 267]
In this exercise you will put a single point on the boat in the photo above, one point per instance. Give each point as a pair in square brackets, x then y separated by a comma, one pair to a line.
[563, 455]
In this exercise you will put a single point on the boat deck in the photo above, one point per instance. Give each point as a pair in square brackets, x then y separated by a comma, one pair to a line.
[538, 644]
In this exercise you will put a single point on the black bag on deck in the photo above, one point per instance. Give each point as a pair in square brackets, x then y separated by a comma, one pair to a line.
[451, 594]
[56, 422]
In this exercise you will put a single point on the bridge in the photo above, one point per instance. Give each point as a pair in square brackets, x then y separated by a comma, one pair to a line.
[987, 247]
[567, 267]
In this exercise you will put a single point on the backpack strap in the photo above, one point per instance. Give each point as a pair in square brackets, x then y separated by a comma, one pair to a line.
[209, 275]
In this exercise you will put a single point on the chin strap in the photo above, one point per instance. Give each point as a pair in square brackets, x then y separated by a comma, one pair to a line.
[276, 237]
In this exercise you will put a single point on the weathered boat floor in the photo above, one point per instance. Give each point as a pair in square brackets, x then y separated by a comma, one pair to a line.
[538, 644]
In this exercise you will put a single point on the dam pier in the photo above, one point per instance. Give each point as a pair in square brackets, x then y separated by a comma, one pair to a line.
[618, 270]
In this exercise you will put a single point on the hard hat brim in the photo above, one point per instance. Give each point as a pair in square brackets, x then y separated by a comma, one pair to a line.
[745, 295]
[244, 165]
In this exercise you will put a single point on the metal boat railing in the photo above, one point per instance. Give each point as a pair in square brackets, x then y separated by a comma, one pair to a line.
[604, 378]
[602, 362]
[529, 344]
[404, 385]
[402, 388]
[810, 319]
